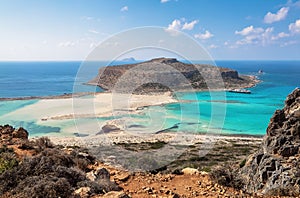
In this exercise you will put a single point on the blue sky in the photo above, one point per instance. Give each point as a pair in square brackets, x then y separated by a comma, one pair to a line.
[70, 29]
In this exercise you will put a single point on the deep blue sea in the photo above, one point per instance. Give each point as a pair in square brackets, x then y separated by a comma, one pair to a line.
[245, 114]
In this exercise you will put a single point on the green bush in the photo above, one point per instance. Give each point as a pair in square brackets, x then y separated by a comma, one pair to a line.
[8, 160]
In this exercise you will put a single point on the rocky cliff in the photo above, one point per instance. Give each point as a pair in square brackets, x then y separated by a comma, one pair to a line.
[163, 74]
[275, 168]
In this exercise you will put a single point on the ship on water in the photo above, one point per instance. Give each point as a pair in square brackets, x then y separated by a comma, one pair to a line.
[243, 91]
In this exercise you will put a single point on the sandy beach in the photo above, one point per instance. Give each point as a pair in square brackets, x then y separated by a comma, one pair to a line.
[90, 112]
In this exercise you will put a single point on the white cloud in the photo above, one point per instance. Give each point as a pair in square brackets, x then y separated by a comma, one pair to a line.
[164, 1]
[93, 31]
[204, 36]
[295, 27]
[249, 30]
[290, 3]
[280, 15]
[124, 9]
[280, 35]
[175, 25]
[87, 18]
[189, 26]
[212, 46]
[288, 43]
[66, 44]
[258, 36]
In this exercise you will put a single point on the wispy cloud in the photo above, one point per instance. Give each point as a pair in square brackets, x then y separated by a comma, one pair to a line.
[164, 1]
[296, 4]
[66, 44]
[189, 26]
[288, 43]
[93, 31]
[280, 15]
[212, 46]
[87, 18]
[124, 9]
[204, 36]
[280, 35]
[295, 27]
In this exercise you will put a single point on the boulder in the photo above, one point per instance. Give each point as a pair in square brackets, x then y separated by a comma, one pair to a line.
[20, 133]
[115, 194]
[190, 171]
[10, 135]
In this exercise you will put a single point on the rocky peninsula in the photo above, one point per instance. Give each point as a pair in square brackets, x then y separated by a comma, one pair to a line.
[168, 74]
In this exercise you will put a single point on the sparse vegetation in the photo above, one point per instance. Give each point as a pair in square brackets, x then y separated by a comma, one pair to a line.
[227, 177]
[52, 172]
[8, 159]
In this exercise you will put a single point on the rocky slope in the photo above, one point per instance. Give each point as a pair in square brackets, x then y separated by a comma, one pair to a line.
[165, 74]
[37, 168]
[275, 168]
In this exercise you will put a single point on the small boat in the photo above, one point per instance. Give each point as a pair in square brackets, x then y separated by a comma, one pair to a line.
[244, 91]
[260, 71]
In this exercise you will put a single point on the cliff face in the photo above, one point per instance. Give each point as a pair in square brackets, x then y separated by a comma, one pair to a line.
[163, 74]
[275, 168]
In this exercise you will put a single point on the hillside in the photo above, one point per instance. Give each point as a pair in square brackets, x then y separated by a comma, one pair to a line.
[165, 74]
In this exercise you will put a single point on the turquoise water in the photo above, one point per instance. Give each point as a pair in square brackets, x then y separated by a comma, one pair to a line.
[245, 114]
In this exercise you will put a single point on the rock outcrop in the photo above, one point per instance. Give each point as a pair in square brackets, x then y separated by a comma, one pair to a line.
[10, 135]
[275, 168]
[165, 74]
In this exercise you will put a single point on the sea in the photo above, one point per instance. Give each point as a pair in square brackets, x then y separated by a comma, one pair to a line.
[240, 114]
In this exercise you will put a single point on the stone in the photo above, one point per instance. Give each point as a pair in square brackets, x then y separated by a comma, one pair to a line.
[83, 192]
[190, 171]
[122, 177]
[115, 194]
[273, 169]
[10, 135]
[91, 176]
[102, 173]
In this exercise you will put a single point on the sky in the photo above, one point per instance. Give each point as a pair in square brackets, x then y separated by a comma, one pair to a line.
[71, 29]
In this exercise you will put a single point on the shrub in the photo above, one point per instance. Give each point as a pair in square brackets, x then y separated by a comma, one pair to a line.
[8, 159]
[51, 173]
[227, 177]
[42, 143]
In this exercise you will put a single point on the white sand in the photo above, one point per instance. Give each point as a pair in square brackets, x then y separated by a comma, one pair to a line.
[63, 111]
[100, 105]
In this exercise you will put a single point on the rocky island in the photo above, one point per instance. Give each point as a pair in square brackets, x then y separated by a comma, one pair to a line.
[168, 74]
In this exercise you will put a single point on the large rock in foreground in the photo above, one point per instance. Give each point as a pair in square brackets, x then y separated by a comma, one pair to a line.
[275, 168]
[165, 74]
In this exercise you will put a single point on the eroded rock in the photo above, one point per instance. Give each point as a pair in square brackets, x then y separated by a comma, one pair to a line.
[274, 169]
